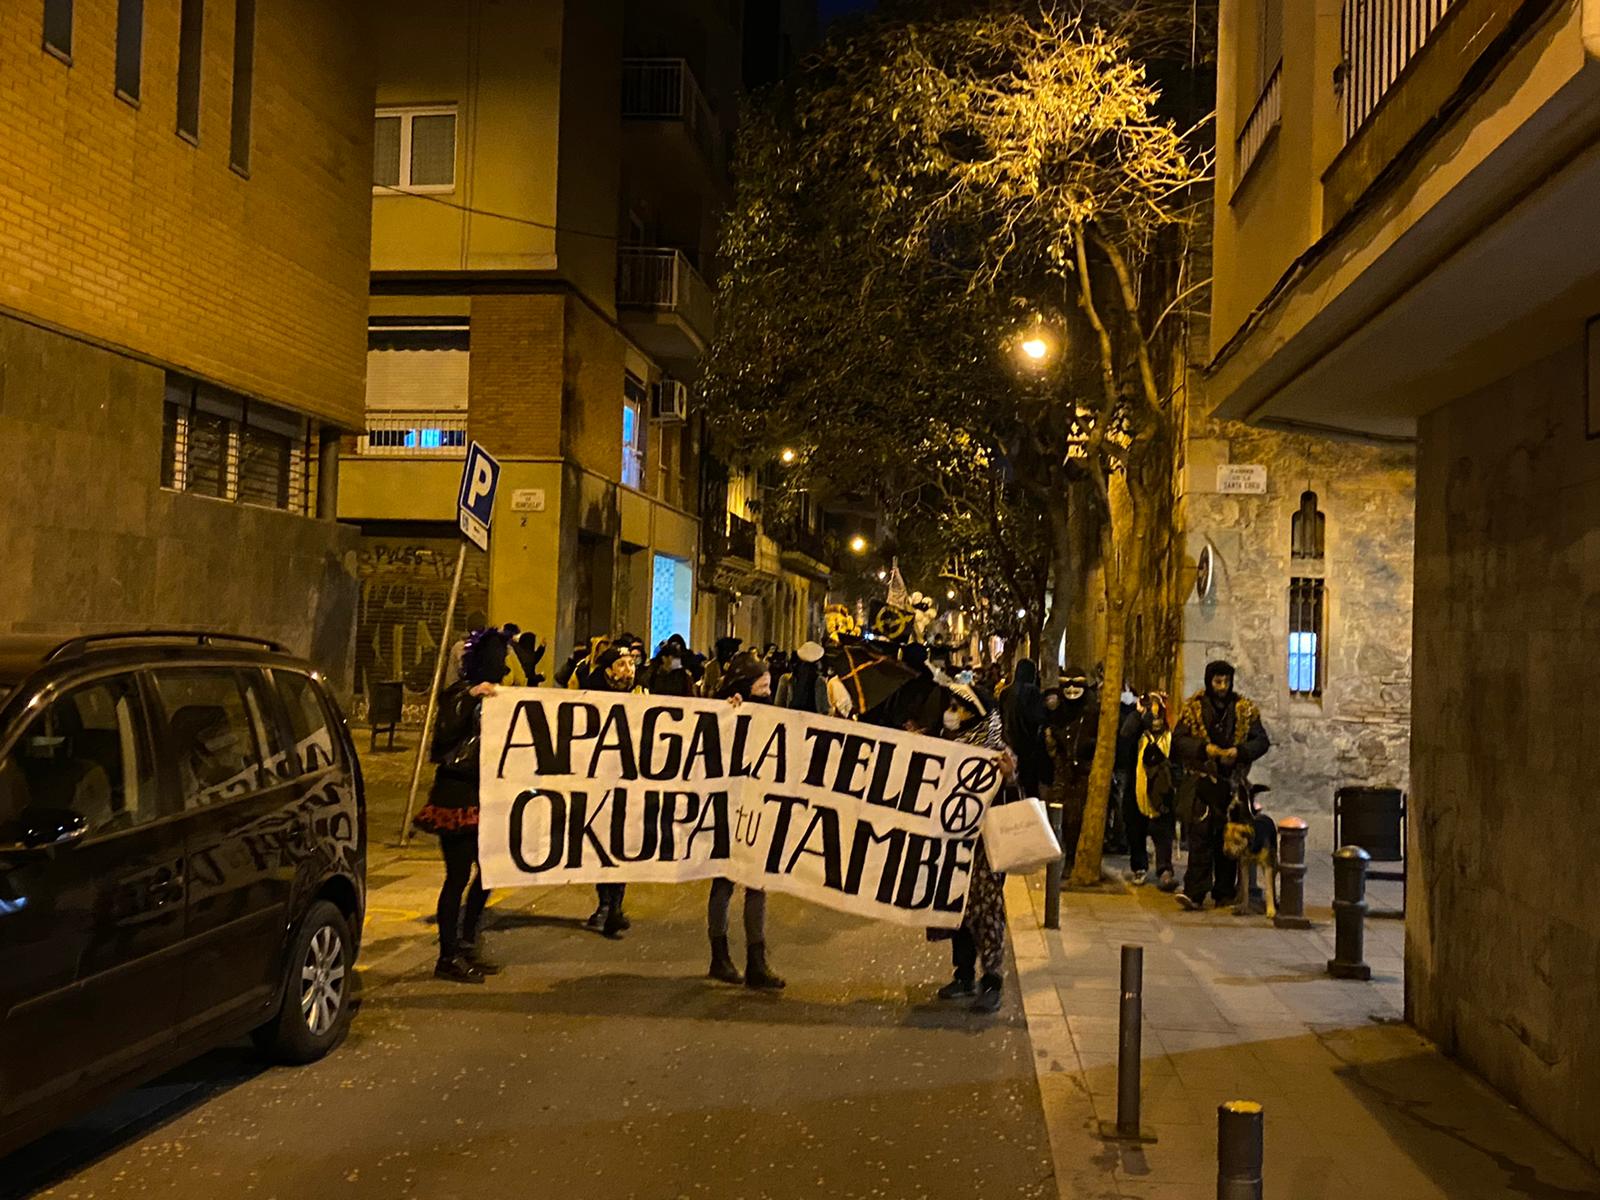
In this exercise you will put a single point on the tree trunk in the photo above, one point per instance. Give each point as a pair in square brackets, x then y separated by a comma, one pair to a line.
[1117, 539]
[1063, 589]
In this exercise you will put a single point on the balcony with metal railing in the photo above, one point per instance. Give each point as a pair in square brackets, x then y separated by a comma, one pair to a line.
[1380, 39]
[409, 433]
[664, 301]
[665, 90]
[1264, 121]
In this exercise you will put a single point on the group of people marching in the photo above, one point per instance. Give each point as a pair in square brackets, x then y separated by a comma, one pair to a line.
[1191, 771]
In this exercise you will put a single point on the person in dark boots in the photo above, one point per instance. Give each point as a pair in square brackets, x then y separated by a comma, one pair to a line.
[1217, 738]
[614, 671]
[746, 679]
[970, 717]
[451, 813]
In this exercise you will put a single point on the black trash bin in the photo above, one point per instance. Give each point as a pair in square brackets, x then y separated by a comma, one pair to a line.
[384, 704]
[1374, 818]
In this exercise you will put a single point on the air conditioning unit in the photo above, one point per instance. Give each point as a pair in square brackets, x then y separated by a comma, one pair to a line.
[671, 401]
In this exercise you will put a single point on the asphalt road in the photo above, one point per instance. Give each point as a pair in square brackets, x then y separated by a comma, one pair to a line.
[595, 1069]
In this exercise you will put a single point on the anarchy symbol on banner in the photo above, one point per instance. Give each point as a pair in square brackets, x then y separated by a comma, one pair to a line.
[978, 775]
[960, 813]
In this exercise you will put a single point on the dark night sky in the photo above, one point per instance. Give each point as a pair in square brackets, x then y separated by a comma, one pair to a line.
[829, 9]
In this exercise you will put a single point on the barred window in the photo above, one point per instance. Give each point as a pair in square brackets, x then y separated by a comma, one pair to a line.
[1306, 645]
[220, 444]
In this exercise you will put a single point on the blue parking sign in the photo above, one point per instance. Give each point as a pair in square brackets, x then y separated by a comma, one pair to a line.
[475, 503]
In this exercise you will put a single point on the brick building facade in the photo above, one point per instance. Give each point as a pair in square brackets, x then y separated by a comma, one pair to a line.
[183, 251]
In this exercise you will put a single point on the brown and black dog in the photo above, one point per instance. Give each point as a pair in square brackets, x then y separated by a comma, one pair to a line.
[1251, 838]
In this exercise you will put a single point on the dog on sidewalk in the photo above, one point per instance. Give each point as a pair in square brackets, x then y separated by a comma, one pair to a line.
[1251, 839]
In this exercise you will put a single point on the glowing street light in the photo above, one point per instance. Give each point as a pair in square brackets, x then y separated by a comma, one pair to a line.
[1022, 612]
[788, 456]
[950, 595]
[1036, 348]
[858, 544]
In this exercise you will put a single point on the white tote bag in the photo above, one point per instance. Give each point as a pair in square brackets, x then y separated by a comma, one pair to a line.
[1017, 837]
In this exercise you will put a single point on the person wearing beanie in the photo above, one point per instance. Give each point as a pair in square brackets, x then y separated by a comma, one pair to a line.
[746, 679]
[613, 672]
[451, 813]
[1217, 738]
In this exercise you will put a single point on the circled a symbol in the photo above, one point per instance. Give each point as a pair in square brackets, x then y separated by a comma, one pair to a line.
[960, 813]
[978, 775]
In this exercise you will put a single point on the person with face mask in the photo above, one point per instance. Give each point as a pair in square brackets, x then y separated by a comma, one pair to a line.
[745, 681]
[1070, 735]
[1219, 735]
[668, 675]
[1148, 796]
[971, 718]
[613, 672]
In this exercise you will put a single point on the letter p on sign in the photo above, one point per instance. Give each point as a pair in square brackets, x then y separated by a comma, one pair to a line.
[480, 476]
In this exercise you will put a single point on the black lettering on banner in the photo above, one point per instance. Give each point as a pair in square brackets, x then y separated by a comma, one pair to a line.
[737, 767]
[861, 843]
[714, 813]
[580, 829]
[553, 756]
[822, 740]
[777, 748]
[671, 818]
[917, 778]
[851, 759]
[615, 738]
[649, 825]
[828, 821]
[786, 806]
[531, 711]
[881, 767]
[649, 739]
[555, 830]
[957, 858]
[921, 870]
[705, 747]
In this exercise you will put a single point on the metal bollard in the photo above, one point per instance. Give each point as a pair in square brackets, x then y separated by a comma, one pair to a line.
[1054, 871]
[1292, 874]
[1130, 1052]
[1241, 1126]
[1349, 914]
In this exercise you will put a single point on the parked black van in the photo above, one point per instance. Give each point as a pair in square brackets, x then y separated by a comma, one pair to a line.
[182, 860]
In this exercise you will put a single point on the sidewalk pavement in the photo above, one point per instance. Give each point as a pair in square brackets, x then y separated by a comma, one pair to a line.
[1356, 1101]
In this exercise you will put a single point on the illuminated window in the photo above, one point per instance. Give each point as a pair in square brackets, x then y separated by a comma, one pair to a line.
[633, 400]
[1306, 648]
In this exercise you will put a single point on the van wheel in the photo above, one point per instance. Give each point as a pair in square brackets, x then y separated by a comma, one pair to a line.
[314, 1014]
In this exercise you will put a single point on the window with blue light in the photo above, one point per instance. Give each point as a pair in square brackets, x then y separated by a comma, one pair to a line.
[1306, 649]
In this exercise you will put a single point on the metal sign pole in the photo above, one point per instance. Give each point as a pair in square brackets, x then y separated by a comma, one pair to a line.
[433, 695]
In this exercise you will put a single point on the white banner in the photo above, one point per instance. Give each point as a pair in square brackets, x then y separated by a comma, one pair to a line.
[595, 787]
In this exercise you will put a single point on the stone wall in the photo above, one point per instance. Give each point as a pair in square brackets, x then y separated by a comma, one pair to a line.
[1358, 731]
[1503, 937]
[91, 541]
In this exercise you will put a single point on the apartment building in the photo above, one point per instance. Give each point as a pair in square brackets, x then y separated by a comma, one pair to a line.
[183, 259]
[1404, 250]
[549, 182]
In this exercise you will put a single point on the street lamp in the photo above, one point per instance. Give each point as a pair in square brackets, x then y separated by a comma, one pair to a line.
[787, 456]
[1036, 348]
[858, 544]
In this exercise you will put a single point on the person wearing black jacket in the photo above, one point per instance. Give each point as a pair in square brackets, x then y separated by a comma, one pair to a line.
[1217, 738]
[746, 680]
[613, 672]
[1022, 715]
[451, 813]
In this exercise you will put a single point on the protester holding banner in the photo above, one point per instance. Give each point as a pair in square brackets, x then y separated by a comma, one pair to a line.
[745, 680]
[451, 812]
[971, 717]
[613, 672]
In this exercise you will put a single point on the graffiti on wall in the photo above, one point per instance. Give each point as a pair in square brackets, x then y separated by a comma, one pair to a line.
[405, 592]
